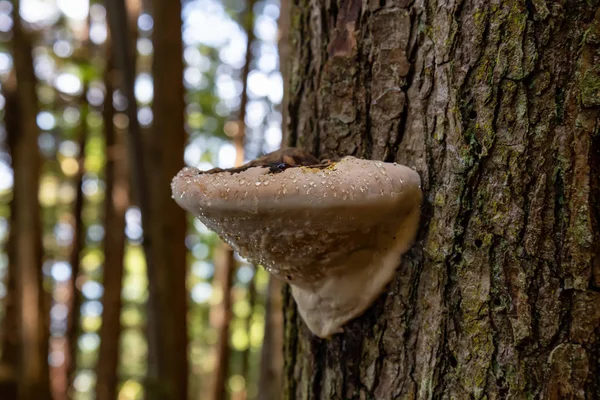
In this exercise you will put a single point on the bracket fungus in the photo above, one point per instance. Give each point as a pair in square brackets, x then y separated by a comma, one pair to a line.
[335, 231]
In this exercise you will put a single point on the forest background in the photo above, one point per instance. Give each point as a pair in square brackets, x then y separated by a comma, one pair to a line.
[108, 290]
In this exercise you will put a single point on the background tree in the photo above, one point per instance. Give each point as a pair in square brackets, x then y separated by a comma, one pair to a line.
[271, 361]
[496, 105]
[116, 203]
[225, 263]
[166, 145]
[77, 245]
[32, 304]
[10, 322]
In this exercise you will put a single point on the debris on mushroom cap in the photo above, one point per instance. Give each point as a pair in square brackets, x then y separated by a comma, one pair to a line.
[334, 231]
[291, 157]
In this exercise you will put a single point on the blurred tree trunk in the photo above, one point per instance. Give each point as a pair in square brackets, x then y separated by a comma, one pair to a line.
[123, 55]
[283, 46]
[168, 294]
[121, 23]
[221, 312]
[497, 106]
[33, 376]
[239, 137]
[10, 323]
[270, 380]
[164, 223]
[220, 318]
[74, 300]
[246, 355]
[271, 360]
[133, 9]
[115, 204]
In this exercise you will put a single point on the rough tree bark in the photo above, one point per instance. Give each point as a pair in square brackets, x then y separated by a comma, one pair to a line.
[496, 104]
[32, 306]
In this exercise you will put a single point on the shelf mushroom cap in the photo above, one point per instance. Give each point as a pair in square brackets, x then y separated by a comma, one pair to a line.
[334, 232]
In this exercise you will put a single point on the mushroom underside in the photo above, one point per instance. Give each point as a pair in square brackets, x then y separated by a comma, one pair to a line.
[337, 261]
[327, 305]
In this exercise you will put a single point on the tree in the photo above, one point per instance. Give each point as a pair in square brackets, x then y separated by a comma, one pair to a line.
[164, 223]
[69, 367]
[271, 357]
[115, 205]
[168, 224]
[220, 317]
[221, 313]
[496, 105]
[10, 335]
[32, 302]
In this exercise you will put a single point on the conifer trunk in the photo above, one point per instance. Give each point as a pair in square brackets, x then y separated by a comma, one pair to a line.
[115, 205]
[32, 305]
[168, 225]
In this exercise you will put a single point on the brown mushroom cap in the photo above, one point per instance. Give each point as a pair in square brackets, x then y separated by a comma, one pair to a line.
[346, 223]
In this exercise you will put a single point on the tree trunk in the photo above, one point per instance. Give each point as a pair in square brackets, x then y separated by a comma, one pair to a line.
[120, 22]
[220, 318]
[69, 367]
[284, 48]
[10, 323]
[115, 204]
[271, 358]
[168, 226]
[247, 353]
[33, 376]
[496, 105]
[224, 259]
